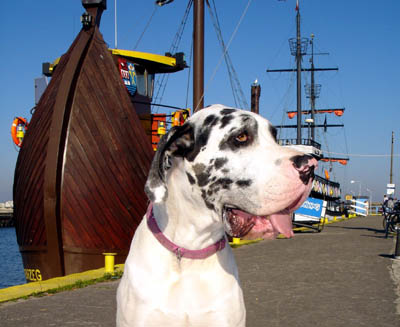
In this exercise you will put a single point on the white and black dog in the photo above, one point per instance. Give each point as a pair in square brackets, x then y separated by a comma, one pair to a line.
[222, 171]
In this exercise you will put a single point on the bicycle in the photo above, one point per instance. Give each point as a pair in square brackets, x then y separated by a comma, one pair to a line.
[391, 220]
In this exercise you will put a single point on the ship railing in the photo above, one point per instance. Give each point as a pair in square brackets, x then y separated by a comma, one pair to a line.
[325, 181]
[308, 142]
[324, 188]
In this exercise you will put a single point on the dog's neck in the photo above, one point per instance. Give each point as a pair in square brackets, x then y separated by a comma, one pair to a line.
[183, 217]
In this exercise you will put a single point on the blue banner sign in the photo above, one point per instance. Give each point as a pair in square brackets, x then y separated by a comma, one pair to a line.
[311, 208]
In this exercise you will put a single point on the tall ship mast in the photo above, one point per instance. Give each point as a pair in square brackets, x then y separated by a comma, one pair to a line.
[323, 188]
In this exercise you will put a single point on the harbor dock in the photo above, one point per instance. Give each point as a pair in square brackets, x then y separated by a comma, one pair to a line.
[343, 276]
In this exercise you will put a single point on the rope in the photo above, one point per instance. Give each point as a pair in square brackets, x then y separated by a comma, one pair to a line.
[189, 73]
[145, 28]
[162, 82]
[362, 155]
[223, 55]
[237, 92]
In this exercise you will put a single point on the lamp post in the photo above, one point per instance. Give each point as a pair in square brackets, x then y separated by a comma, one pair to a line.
[370, 194]
[359, 189]
[370, 198]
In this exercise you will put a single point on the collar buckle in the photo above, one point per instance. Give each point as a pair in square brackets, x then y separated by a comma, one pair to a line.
[178, 253]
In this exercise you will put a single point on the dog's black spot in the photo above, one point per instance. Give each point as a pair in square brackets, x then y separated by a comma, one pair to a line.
[274, 132]
[226, 120]
[219, 162]
[225, 183]
[202, 174]
[199, 144]
[149, 193]
[202, 179]
[227, 111]
[298, 162]
[225, 171]
[211, 120]
[244, 182]
[193, 154]
[210, 205]
[190, 178]
[245, 117]
[206, 200]
[203, 137]
[199, 168]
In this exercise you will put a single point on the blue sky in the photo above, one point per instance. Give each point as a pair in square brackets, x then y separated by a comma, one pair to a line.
[361, 38]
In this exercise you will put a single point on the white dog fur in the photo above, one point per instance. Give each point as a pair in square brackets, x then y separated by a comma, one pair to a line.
[220, 158]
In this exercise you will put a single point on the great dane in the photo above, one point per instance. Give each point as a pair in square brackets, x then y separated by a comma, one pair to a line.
[220, 172]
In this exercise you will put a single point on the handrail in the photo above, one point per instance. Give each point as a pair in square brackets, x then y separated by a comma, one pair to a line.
[302, 142]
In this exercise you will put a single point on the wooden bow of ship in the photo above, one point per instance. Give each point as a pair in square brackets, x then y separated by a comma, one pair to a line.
[80, 174]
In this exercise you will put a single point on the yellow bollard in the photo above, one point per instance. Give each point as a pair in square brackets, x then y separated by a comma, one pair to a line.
[109, 262]
[236, 240]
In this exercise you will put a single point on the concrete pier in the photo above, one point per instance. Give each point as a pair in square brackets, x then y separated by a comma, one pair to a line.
[343, 276]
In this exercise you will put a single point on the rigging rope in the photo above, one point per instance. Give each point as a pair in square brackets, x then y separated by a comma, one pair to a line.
[223, 55]
[189, 73]
[238, 95]
[362, 155]
[145, 28]
[162, 81]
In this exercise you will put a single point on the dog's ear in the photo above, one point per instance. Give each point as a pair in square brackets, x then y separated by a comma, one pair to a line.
[178, 142]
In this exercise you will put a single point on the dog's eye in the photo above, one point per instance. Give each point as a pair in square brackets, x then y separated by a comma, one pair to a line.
[242, 137]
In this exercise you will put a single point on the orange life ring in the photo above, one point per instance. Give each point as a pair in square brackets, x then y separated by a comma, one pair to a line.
[18, 130]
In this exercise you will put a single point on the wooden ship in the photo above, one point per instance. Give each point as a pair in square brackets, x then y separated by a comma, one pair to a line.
[79, 178]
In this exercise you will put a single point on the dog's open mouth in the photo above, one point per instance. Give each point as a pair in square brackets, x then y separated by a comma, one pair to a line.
[247, 226]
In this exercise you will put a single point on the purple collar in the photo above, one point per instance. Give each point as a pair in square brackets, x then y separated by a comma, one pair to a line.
[179, 251]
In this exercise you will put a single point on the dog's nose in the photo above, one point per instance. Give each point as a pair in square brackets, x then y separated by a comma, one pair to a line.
[305, 165]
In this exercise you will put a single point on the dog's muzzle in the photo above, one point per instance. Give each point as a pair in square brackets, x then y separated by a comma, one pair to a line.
[239, 223]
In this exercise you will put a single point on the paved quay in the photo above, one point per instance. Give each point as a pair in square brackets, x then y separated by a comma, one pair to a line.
[343, 276]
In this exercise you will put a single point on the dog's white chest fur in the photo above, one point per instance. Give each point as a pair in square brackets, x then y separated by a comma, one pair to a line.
[157, 289]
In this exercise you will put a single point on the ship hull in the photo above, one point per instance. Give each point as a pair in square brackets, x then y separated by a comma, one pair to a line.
[80, 174]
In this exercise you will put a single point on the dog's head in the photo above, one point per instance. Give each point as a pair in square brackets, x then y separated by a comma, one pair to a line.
[228, 160]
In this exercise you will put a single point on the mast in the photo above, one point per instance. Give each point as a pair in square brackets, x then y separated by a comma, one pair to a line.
[298, 48]
[298, 73]
[255, 97]
[312, 90]
[198, 55]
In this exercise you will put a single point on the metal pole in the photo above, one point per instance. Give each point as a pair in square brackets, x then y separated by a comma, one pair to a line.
[115, 24]
[391, 161]
[298, 60]
[198, 55]
[255, 97]
[312, 94]
[397, 248]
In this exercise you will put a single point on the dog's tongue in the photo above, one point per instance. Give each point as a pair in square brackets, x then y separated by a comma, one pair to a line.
[262, 227]
[282, 222]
